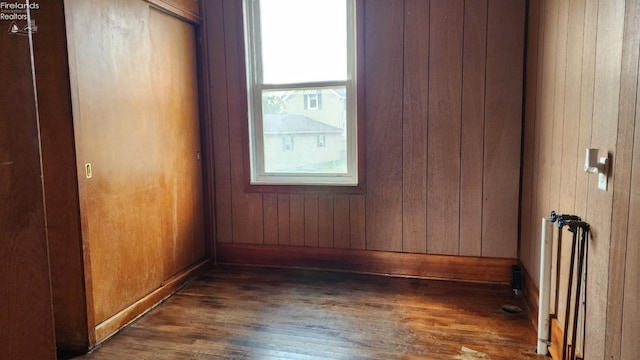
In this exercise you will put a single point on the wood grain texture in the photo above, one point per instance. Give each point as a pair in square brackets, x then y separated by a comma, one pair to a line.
[631, 309]
[597, 97]
[341, 221]
[527, 224]
[357, 222]
[503, 119]
[445, 99]
[246, 207]
[531, 297]
[296, 220]
[73, 321]
[544, 128]
[325, 221]
[622, 230]
[114, 200]
[390, 214]
[174, 54]
[606, 97]
[283, 219]
[459, 268]
[270, 221]
[560, 66]
[140, 131]
[383, 102]
[111, 326]
[414, 126]
[331, 316]
[555, 146]
[533, 122]
[473, 115]
[555, 349]
[217, 86]
[186, 9]
[26, 314]
[586, 100]
[311, 220]
[571, 115]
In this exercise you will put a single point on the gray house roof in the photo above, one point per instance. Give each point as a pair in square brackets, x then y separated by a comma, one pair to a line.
[295, 124]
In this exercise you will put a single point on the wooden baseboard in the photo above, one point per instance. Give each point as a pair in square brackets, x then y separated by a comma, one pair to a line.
[109, 327]
[457, 268]
[531, 297]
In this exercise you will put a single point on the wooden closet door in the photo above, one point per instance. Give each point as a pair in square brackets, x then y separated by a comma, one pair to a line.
[134, 86]
[174, 82]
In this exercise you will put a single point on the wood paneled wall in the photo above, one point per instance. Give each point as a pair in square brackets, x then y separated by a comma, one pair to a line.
[26, 313]
[442, 104]
[582, 92]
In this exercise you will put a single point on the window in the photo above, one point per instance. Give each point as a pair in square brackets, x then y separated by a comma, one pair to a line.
[321, 141]
[312, 102]
[302, 89]
[287, 143]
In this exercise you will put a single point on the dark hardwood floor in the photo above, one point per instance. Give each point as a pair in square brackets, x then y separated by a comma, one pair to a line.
[257, 313]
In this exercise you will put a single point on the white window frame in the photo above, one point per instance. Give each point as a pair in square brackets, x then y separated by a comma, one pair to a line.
[256, 85]
[312, 101]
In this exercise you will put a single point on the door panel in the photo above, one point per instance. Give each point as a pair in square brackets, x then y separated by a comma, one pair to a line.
[134, 86]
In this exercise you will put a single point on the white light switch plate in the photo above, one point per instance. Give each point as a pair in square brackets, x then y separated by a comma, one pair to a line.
[602, 177]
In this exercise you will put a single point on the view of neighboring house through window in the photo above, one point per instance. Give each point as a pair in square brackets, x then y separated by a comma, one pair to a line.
[301, 94]
[312, 101]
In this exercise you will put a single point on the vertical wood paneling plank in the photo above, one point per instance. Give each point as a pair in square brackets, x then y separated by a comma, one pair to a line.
[357, 222]
[416, 99]
[383, 109]
[173, 50]
[341, 221]
[608, 62]
[528, 245]
[270, 213]
[325, 221]
[246, 208]
[445, 99]
[296, 219]
[503, 120]
[26, 310]
[630, 346]
[566, 120]
[311, 220]
[586, 105]
[472, 141]
[571, 155]
[546, 114]
[586, 102]
[620, 236]
[558, 107]
[544, 132]
[220, 118]
[283, 219]
[68, 282]
[536, 166]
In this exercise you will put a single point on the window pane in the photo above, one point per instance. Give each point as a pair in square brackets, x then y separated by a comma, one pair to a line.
[303, 40]
[303, 139]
